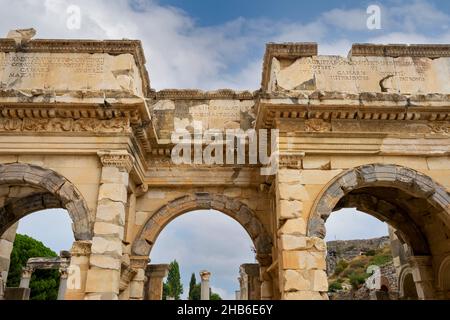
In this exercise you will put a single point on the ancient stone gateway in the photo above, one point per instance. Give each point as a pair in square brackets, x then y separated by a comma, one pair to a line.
[81, 129]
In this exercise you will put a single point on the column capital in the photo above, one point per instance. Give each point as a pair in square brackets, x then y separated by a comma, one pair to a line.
[121, 159]
[63, 273]
[81, 248]
[204, 275]
[157, 270]
[139, 262]
[27, 271]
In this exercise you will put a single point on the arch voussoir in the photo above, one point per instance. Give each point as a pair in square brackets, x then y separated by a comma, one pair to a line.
[377, 175]
[51, 190]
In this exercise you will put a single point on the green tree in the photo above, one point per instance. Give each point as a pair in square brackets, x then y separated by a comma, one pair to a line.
[192, 285]
[173, 283]
[215, 296]
[196, 292]
[44, 283]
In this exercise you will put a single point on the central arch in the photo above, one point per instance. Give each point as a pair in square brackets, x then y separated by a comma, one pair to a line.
[200, 201]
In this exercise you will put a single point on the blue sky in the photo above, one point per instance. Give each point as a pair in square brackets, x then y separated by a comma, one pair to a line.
[220, 44]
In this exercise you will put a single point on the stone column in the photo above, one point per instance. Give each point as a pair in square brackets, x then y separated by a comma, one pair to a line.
[250, 281]
[204, 287]
[62, 283]
[423, 276]
[243, 285]
[6, 245]
[27, 272]
[103, 279]
[301, 259]
[237, 295]
[78, 269]
[2, 288]
[155, 276]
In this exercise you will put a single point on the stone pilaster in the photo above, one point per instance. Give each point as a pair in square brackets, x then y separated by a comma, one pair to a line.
[6, 245]
[155, 274]
[137, 283]
[423, 276]
[204, 285]
[301, 259]
[103, 279]
[78, 269]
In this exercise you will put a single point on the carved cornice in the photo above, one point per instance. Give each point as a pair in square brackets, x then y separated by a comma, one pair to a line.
[193, 94]
[120, 159]
[400, 50]
[113, 47]
[364, 106]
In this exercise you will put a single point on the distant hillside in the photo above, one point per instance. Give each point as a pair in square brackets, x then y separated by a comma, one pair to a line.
[348, 260]
[348, 249]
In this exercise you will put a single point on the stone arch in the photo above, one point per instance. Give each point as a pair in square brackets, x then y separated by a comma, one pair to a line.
[41, 189]
[406, 285]
[444, 275]
[388, 192]
[235, 209]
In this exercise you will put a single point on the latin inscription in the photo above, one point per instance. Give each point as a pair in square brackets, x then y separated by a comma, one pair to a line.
[363, 74]
[20, 66]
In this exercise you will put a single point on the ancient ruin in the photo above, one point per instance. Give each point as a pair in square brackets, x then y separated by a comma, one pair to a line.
[82, 129]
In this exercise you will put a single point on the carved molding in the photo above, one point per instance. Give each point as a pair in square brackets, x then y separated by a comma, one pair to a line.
[317, 125]
[292, 160]
[440, 127]
[181, 94]
[401, 50]
[64, 125]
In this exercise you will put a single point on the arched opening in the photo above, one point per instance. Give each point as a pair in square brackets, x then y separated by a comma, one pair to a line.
[359, 258]
[26, 189]
[33, 240]
[211, 203]
[408, 288]
[205, 240]
[414, 205]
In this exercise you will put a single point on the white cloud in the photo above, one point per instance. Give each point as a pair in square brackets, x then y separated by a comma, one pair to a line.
[53, 227]
[353, 19]
[182, 54]
[347, 224]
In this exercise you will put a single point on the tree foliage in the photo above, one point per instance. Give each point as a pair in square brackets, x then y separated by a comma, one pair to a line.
[192, 288]
[174, 287]
[44, 283]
